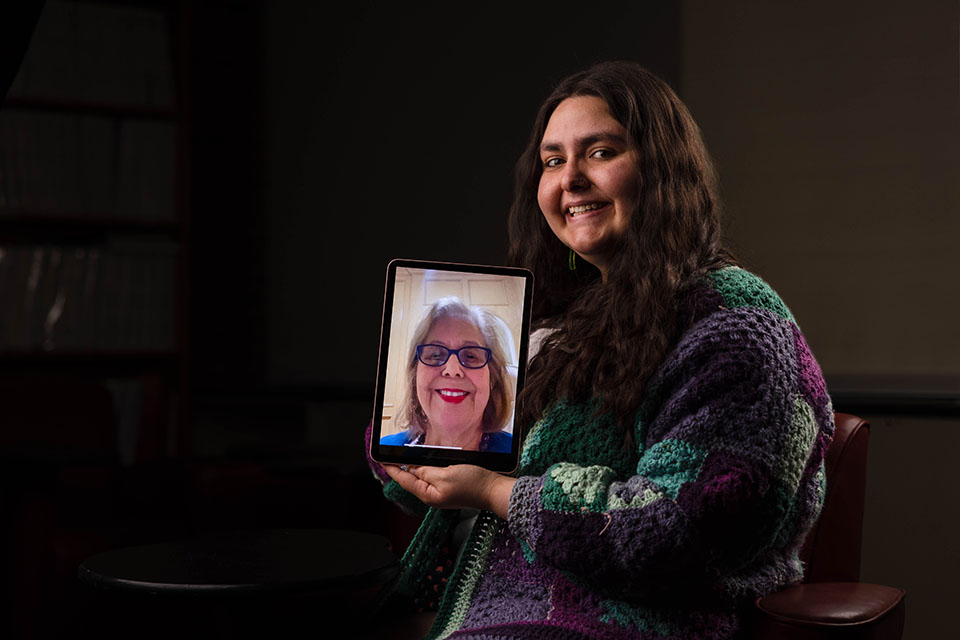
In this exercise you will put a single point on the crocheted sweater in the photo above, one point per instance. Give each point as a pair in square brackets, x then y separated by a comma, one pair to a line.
[668, 540]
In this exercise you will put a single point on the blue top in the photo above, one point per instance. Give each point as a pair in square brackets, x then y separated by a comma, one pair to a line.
[496, 442]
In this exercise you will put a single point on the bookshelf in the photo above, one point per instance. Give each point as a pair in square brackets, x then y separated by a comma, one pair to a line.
[94, 213]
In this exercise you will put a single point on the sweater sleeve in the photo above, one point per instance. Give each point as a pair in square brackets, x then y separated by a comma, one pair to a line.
[729, 475]
[391, 490]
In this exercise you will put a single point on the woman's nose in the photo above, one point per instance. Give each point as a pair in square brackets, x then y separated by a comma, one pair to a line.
[452, 367]
[573, 177]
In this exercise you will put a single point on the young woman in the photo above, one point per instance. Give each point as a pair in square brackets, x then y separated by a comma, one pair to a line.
[674, 419]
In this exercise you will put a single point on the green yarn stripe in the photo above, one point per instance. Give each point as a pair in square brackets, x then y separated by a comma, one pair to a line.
[741, 288]
[457, 598]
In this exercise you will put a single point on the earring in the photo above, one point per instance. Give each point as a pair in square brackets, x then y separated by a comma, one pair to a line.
[572, 261]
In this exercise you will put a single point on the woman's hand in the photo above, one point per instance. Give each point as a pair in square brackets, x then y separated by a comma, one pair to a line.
[457, 486]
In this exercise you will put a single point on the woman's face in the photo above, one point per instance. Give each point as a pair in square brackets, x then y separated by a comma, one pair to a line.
[588, 188]
[453, 397]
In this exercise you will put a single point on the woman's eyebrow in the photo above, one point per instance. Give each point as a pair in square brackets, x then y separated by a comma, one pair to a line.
[586, 141]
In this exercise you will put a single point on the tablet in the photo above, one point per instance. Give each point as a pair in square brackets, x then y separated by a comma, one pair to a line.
[453, 353]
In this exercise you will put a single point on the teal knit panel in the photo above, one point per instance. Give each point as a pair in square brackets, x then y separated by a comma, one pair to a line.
[741, 288]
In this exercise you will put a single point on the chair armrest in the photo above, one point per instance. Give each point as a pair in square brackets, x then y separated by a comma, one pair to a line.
[828, 609]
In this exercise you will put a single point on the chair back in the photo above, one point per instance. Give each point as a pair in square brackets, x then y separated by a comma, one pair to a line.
[831, 552]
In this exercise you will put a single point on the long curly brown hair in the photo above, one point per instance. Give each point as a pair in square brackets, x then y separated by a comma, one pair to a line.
[610, 336]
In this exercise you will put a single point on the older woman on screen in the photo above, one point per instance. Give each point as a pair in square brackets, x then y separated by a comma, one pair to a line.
[458, 392]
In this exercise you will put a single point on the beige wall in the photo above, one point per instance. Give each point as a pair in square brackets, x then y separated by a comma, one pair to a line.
[836, 130]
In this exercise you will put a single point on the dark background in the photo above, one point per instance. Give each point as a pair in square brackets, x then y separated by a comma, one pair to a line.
[320, 144]
[386, 132]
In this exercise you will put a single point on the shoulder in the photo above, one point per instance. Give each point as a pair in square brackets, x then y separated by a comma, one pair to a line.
[736, 333]
[735, 310]
[740, 288]
[398, 439]
[499, 441]
[741, 362]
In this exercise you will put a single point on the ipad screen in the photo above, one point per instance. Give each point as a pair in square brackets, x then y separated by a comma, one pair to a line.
[453, 350]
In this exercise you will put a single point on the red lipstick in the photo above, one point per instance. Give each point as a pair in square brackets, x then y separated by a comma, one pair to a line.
[453, 396]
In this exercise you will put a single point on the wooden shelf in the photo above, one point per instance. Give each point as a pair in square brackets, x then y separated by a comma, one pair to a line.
[119, 363]
[60, 105]
[47, 227]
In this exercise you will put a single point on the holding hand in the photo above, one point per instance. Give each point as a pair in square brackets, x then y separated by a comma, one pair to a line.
[458, 486]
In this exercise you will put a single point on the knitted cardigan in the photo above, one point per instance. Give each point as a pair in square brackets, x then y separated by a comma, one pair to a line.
[669, 540]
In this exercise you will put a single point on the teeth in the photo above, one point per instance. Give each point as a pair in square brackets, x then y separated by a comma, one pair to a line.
[452, 394]
[583, 208]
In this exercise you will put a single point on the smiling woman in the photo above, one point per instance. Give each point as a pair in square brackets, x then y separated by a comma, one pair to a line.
[458, 392]
[588, 189]
[674, 418]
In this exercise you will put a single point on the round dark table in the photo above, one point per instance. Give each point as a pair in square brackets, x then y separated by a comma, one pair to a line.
[239, 583]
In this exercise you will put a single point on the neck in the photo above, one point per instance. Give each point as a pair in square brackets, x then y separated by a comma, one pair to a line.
[598, 263]
[467, 439]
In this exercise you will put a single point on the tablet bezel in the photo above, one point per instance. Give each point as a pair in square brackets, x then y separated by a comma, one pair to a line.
[421, 455]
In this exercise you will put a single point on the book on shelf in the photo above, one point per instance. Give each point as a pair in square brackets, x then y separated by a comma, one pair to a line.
[74, 165]
[48, 305]
[113, 299]
[127, 396]
[96, 164]
[145, 178]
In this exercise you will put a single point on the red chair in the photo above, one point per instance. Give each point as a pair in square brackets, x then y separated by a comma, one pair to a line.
[832, 602]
